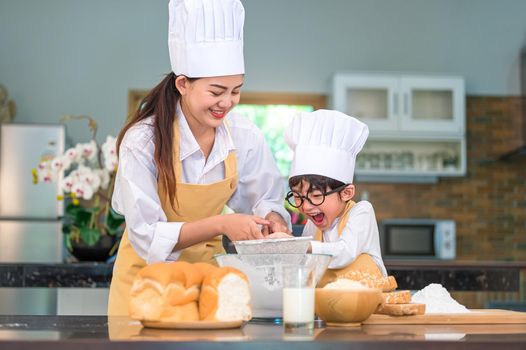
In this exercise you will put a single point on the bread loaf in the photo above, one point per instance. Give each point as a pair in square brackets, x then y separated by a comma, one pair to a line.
[396, 297]
[159, 288]
[225, 296]
[180, 313]
[180, 291]
[401, 309]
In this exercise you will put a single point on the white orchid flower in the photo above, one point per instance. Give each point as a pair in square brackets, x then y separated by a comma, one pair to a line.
[109, 151]
[111, 163]
[78, 171]
[73, 155]
[82, 190]
[45, 173]
[104, 176]
[88, 177]
[43, 165]
[46, 176]
[60, 164]
[88, 150]
[109, 145]
[66, 184]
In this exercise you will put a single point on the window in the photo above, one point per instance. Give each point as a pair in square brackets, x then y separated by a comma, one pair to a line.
[272, 113]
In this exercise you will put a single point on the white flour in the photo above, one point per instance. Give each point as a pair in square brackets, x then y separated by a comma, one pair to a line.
[438, 300]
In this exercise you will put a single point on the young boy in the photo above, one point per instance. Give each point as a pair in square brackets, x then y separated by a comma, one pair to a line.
[325, 145]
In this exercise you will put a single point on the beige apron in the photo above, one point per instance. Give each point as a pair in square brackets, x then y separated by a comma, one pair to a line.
[192, 202]
[363, 262]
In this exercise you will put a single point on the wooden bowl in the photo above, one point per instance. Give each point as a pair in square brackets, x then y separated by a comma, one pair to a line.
[346, 306]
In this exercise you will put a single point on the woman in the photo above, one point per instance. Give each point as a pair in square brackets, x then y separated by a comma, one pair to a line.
[184, 155]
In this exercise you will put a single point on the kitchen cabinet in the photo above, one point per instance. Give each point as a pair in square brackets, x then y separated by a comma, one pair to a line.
[403, 159]
[416, 123]
[402, 104]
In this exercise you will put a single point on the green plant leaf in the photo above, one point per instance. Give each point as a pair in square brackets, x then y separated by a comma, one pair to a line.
[67, 239]
[78, 215]
[90, 236]
[66, 228]
[114, 223]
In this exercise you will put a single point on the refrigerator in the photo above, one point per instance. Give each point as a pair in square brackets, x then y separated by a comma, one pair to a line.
[30, 225]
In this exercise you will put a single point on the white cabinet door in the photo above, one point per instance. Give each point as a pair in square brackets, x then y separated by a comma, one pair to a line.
[372, 99]
[432, 105]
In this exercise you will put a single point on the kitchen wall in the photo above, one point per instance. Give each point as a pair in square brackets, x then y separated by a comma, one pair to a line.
[81, 57]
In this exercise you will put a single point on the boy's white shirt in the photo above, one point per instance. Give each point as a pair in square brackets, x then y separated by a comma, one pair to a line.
[360, 235]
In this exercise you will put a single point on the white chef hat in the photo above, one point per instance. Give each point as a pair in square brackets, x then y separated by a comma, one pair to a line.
[205, 37]
[325, 143]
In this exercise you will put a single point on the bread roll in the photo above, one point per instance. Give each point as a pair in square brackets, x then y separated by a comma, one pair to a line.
[225, 296]
[167, 290]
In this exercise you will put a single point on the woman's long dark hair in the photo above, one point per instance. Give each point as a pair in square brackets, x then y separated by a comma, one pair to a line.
[160, 103]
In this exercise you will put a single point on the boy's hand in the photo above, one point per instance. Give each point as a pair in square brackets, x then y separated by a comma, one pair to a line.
[277, 224]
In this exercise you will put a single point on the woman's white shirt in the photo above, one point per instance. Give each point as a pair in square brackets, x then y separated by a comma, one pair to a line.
[260, 187]
[360, 235]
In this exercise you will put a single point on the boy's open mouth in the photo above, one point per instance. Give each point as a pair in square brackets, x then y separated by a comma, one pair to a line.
[318, 218]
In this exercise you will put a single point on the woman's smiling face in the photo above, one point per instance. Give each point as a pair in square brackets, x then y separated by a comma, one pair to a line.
[206, 101]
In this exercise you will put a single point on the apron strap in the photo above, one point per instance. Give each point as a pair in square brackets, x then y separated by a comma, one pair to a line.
[318, 236]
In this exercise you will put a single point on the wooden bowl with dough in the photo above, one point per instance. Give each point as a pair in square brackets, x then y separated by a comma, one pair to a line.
[346, 306]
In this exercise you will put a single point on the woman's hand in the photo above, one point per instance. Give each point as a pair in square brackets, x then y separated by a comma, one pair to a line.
[277, 224]
[240, 227]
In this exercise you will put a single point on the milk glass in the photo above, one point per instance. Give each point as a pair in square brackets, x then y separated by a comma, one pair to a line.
[298, 299]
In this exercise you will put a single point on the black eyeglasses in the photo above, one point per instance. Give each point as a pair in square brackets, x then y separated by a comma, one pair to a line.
[296, 200]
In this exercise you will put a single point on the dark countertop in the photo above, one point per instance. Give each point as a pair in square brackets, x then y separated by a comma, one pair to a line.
[97, 332]
[410, 274]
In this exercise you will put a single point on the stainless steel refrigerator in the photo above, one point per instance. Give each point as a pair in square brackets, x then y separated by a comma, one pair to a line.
[30, 226]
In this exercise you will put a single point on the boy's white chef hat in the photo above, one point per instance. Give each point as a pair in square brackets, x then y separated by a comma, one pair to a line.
[205, 37]
[325, 143]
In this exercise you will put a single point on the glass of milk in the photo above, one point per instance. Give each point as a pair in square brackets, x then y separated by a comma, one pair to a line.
[298, 299]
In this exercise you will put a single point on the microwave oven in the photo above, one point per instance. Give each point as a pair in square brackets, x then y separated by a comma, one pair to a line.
[418, 238]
